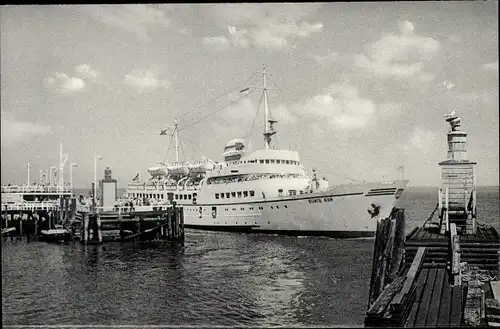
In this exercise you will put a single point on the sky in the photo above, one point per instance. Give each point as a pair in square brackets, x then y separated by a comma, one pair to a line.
[358, 88]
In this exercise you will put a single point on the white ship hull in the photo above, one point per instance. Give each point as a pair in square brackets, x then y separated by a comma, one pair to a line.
[341, 212]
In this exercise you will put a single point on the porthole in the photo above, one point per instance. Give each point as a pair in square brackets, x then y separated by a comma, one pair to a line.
[269, 222]
[286, 206]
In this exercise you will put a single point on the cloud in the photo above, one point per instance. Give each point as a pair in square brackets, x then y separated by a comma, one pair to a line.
[145, 80]
[217, 42]
[86, 72]
[137, 18]
[63, 84]
[15, 130]
[422, 138]
[476, 97]
[400, 55]
[270, 26]
[342, 106]
[493, 66]
[448, 84]
[331, 57]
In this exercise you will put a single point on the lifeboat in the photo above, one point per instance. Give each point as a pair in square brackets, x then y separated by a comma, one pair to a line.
[201, 167]
[181, 169]
[158, 171]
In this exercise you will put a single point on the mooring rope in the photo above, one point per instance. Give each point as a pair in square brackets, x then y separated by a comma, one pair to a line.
[432, 214]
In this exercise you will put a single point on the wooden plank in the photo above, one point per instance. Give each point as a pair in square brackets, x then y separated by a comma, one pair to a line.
[432, 317]
[445, 307]
[411, 276]
[456, 306]
[421, 279]
[426, 299]
[378, 308]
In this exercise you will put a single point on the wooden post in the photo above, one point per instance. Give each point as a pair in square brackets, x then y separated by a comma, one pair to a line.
[73, 209]
[447, 211]
[98, 227]
[379, 246]
[398, 253]
[85, 227]
[455, 255]
[182, 222]
[21, 225]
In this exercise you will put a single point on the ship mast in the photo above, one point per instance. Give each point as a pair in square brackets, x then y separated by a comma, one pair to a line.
[176, 142]
[268, 126]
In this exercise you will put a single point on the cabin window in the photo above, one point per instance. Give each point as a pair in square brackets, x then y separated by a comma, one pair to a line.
[222, 195]
[242, 208]
[245, 193]
[175, 196]
[278, 161]
[292, 192]
[301, 192]
[261, 161]
[239, 194]
[272, 160]
[227, 195]
[287, 161]
[217, 195]
[251, 208]
[252, 193]
[234, 209]
[267, 160]
[233, 194]
[189, 196]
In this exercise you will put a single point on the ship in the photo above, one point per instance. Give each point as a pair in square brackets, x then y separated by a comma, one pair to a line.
[41, 195]
[40, 198]
[267, 190]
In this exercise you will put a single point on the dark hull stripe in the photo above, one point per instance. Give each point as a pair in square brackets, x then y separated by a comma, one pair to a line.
[276, 200]
[383, 189]
[249, 229]
[378, 194]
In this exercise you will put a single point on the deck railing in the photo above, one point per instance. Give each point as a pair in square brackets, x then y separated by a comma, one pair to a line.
[37, 189]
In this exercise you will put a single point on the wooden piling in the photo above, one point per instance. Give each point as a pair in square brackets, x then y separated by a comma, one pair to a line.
[388, 253]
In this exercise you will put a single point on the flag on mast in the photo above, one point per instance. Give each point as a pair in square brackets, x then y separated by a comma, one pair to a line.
[165, 132]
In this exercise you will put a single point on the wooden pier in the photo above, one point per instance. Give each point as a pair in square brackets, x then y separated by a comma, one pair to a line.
[442, 280]
[159, 223]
